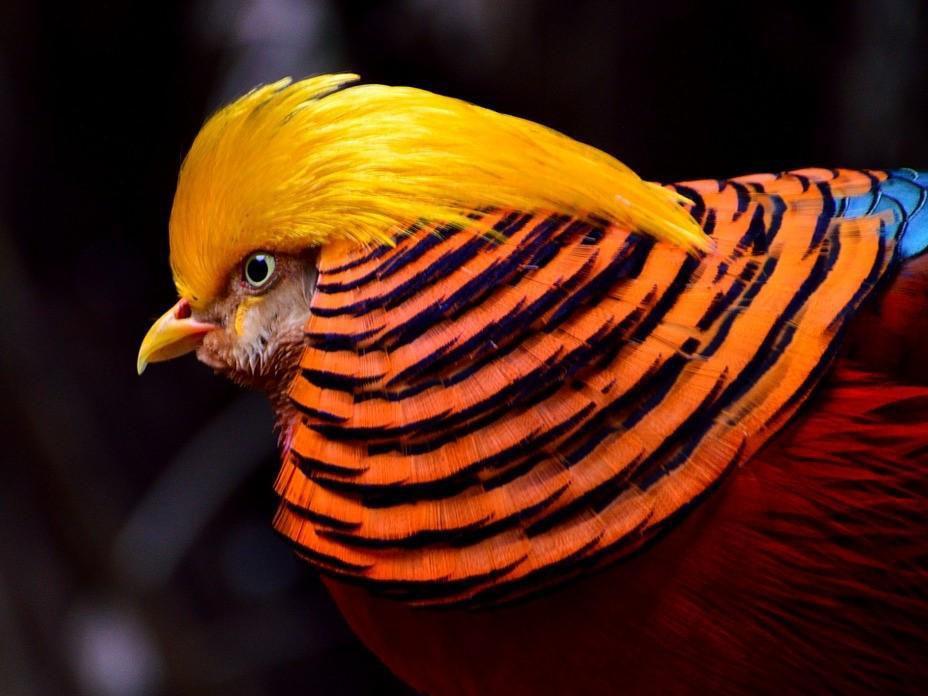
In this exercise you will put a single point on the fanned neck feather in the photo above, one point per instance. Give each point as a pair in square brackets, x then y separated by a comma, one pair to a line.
[295, 165]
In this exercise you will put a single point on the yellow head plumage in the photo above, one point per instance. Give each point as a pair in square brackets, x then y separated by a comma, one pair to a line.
[293, 165]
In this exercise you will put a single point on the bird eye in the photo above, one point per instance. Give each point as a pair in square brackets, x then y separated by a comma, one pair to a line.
[258, 269]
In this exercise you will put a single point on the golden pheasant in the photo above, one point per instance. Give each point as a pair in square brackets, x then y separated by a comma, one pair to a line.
[549, 428]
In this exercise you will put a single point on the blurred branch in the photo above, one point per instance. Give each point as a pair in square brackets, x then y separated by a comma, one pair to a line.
[15, 665]
[879, 76]
[34, 362]
[178, 506]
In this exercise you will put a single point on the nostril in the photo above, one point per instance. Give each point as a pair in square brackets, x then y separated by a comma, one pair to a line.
[183, 310]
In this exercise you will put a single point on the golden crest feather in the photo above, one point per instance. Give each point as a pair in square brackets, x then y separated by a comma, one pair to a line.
[293, 165]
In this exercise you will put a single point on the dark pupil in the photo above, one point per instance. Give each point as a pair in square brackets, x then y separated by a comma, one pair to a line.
[257, 269]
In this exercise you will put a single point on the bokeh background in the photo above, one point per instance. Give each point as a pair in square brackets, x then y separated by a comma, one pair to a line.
[136, 555]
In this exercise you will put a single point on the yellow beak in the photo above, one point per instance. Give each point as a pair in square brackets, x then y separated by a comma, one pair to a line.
[174, 334]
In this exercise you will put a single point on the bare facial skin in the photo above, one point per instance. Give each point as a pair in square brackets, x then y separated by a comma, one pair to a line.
[260, 329]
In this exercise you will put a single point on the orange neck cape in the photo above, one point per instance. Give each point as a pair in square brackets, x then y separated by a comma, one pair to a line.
[483, 415]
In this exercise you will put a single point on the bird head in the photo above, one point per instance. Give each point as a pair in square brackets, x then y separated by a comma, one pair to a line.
[292, 167]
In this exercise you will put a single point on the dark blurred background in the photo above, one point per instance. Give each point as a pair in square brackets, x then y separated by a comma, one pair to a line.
[136, 554]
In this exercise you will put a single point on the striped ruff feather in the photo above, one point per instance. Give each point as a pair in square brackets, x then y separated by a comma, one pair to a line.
[483, 415]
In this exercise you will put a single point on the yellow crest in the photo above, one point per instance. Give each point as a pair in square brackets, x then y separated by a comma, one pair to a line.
[294, 165]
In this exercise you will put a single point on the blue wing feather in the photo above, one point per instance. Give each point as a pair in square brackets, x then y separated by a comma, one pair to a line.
[905, 191]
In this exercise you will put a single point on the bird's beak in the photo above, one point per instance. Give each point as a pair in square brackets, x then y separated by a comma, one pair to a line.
[174, 334]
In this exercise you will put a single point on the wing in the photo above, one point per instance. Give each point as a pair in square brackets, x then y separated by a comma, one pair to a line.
[483, 414]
